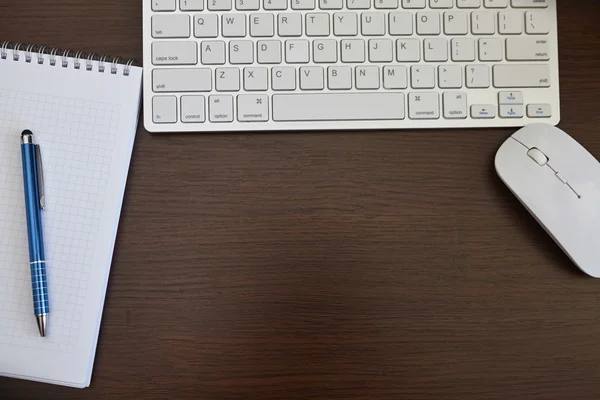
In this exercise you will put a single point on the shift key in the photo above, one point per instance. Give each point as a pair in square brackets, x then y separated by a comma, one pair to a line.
[521, 76]
[174, 53]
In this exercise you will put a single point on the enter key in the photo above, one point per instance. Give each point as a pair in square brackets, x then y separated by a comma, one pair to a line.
[527, 49]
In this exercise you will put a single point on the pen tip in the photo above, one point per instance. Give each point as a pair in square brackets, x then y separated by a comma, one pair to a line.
[26, 132]
[42, 320]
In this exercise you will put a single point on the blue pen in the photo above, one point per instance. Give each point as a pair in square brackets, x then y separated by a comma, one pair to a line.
[33, 179]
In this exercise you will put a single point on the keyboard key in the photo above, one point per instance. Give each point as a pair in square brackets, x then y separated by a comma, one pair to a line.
[246, 5]
[220, 108]
[205, 26]
[511, 111]
[456, 23]
[212, 52]
[339, 78]
[338, 107]
[490, 49]
[331, 4]
[468, 3]
[483, 23]
[283, 78]
[253, 108]
[385, 4]
[527, 49]
[182, 80]
[174, 53]
[317, 24]
[537, 22]
[423, 105]
[428, 23]
[510, 97]
[289, 24]
[353, 50]
[164, 109]
[539, 110]
[372, 24]
[381, 50]
[191, 5]
[275, 4]
[255, 78]
[233, 25]
[358, 4]
[414, 3]
[455, 105]
[227, 79]
[262, 25]
[219, 5]
[395, 77]
[303, 4]
[345, 24]
[241, 52]
[408, 50]
[450, 76]
[269, 52]
[311, 78]
[422, 76]
[530, 3]
[521, 75]
[463, 49]
[400, 24]
[192, 109]
[483, 111]
[297, 51]
[325, 51]
[477, 76]
[495, 3]
[163, 5]
[436, 50]
[441, 3]
[171, 26]
[510, 22]
[367, 77]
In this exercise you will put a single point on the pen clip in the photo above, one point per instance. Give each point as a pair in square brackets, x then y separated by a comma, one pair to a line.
[40, 175]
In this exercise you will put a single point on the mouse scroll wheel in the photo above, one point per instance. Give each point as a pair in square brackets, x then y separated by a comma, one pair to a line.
[537, 156]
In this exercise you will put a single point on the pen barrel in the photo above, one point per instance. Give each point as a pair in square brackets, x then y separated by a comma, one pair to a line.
[34, 229]
[32, 203]
[39, 284]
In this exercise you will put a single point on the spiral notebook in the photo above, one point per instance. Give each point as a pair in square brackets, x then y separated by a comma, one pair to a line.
[83, 112]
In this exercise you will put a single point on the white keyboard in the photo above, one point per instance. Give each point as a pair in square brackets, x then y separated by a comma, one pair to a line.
[248, 65]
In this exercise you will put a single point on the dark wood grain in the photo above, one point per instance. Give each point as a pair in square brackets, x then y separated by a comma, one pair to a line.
[363, 265]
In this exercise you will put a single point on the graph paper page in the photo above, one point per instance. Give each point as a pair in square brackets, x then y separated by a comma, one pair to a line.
[85, 123]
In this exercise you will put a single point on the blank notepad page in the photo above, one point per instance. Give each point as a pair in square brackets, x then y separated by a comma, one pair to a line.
[85, 123]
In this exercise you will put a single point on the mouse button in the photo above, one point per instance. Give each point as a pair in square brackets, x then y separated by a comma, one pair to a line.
[538, 156]
[511, 159]
[537, 135]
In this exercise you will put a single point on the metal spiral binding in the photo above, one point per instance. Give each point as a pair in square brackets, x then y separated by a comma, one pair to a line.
[64, 58]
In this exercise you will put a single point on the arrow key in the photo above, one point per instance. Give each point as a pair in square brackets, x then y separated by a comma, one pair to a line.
[483, 111]
[511, 111]
[539, 111]
[510, 97]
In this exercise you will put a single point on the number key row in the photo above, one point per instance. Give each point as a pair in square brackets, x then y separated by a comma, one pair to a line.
[198, 5]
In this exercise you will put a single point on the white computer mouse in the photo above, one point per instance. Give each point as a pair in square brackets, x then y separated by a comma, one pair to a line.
[558, 181]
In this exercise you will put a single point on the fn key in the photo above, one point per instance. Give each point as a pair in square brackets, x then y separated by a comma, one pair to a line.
[164, 109]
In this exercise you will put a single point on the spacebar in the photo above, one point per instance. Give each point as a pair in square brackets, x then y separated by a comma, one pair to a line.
[338, 106]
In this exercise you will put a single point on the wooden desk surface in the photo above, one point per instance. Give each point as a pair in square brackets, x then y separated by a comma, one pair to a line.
[363, 265]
